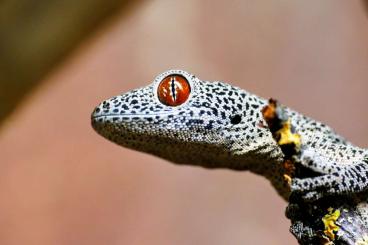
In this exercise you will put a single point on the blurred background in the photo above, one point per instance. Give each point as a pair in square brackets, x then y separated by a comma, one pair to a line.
[61, 183]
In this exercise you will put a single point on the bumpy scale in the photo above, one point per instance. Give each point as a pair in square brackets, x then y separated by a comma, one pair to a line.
[215, 125]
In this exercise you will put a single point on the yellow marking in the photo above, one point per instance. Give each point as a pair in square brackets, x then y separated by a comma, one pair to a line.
[289, 171]
[287, 178]
[329, 222]
[287, 137]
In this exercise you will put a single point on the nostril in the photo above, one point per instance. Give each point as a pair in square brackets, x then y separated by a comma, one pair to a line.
[106, 105]
[96, 112]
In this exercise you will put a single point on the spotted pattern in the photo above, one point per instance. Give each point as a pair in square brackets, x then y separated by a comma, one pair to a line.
[221, 126]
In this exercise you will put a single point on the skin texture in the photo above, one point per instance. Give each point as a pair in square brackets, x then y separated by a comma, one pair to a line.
[185, 120]
[221, 126]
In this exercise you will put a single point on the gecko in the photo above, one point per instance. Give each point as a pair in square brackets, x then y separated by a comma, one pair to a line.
[186, 120]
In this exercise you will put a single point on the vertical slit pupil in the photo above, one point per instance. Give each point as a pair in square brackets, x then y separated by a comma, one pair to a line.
[173, 91]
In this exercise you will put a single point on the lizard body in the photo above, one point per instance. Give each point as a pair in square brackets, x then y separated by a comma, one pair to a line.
[185, 120]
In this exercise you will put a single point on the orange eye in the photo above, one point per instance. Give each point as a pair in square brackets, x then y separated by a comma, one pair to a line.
[173, 90]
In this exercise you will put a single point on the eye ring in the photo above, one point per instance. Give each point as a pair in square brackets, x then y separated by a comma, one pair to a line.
[173, 90]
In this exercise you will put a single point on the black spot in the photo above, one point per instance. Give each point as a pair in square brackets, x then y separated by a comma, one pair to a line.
[106, 105]
[214, 110]
[206, 104]
[235, 119]
[209, 126]
[226, 108]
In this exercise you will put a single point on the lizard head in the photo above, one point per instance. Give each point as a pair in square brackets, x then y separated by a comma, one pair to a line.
[188, 121]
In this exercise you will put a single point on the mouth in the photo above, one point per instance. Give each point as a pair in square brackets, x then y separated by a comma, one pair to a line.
[105, 123]
[111, 117]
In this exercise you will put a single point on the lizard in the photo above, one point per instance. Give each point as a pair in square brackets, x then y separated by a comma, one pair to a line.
[185, 120]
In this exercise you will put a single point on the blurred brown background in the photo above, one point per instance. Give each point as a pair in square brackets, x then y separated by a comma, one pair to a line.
[61, 183]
